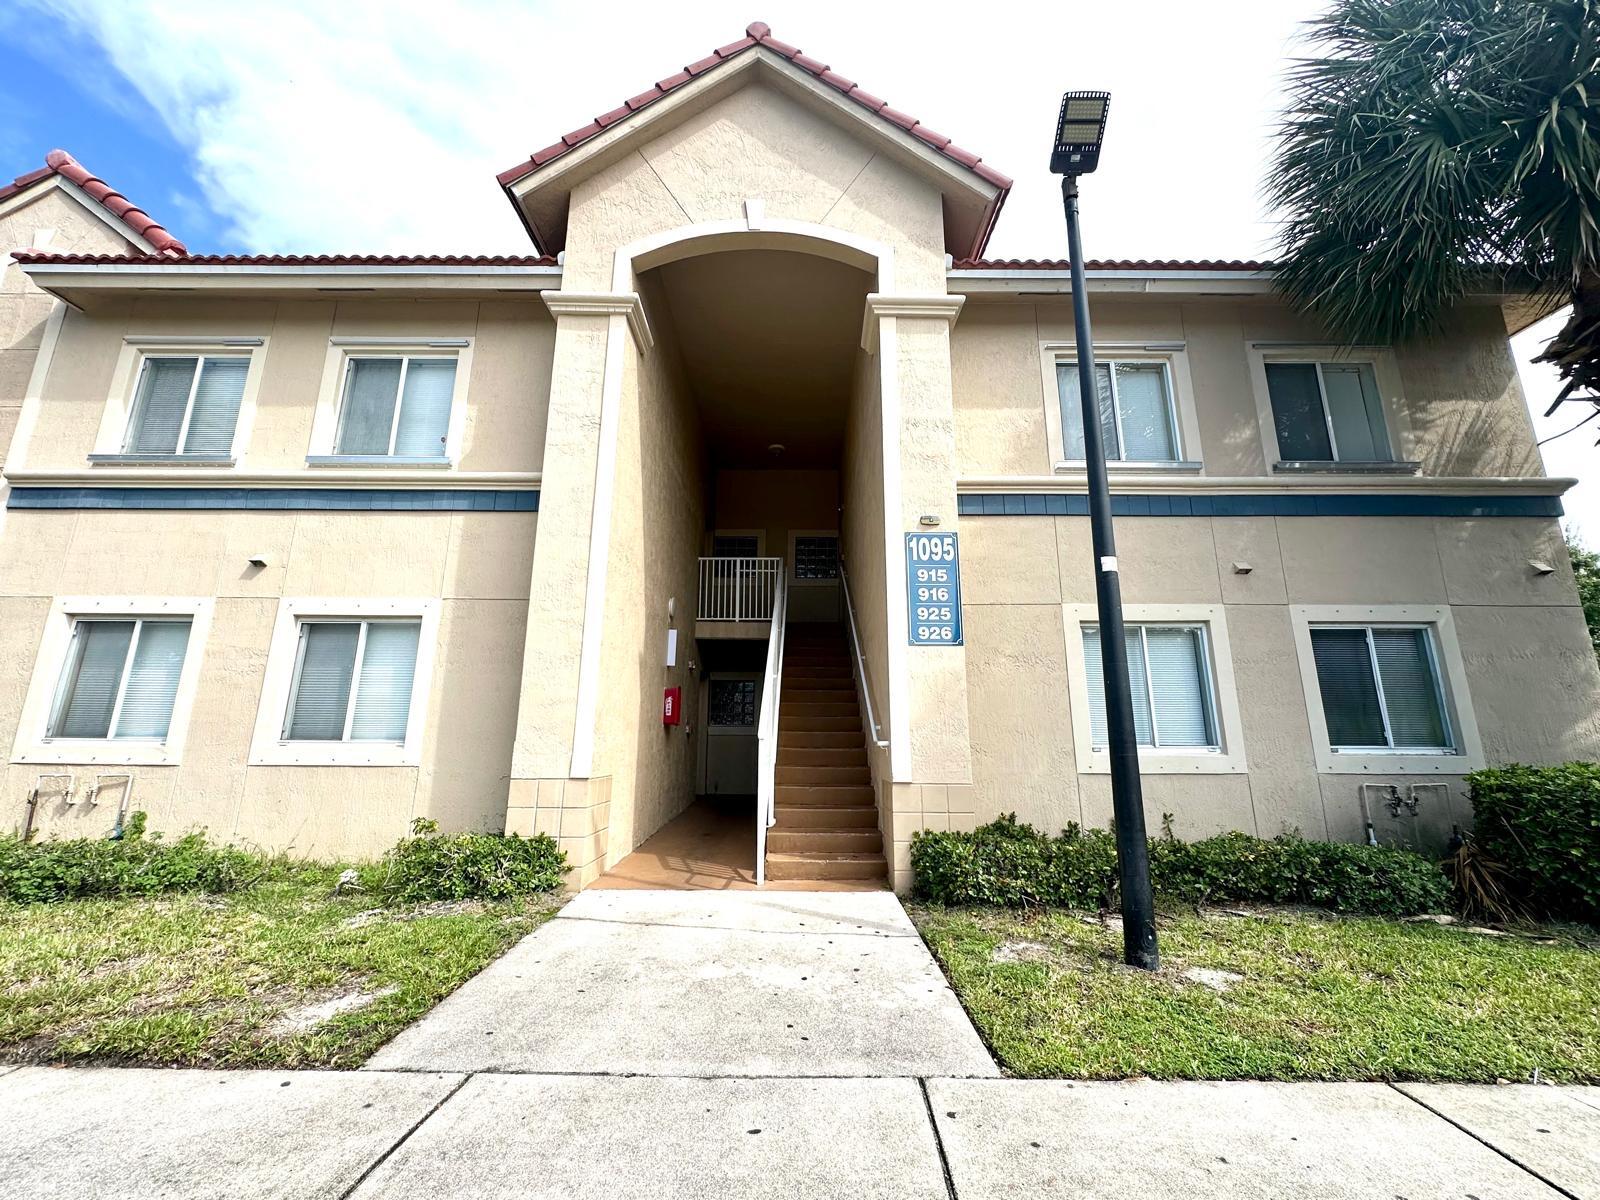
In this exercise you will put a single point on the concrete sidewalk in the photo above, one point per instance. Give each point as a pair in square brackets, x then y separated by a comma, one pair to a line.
[706, 983]
[240, 1135]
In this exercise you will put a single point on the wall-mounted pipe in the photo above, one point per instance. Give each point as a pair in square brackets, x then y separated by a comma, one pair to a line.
[33, 798]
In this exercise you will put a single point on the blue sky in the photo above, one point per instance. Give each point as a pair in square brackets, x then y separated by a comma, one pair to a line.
[57, 88]
[314, 126]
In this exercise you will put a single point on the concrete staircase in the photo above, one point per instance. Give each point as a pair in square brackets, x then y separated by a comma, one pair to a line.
[827, 817]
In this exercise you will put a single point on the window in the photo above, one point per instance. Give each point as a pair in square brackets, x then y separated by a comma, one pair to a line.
[1327, 412]
[1180, 668]
[735, 545]
[396, 407]
[1168, 668]
[816, 558]
[187, 404]
[121, 680]
[352, 682]
[732, 703]
[1134, 400]
[1380, 688]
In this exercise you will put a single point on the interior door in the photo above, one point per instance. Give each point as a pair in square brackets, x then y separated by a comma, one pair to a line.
[733, 702]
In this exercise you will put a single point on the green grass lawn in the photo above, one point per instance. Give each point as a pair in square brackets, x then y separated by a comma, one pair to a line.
[1320, 997]
[223, 981]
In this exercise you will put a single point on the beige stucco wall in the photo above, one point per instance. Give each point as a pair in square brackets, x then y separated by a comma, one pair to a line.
[477, 564]
[755, 144]
[1461, 410]
[657, 516]
[1530, 672]
[506, 395]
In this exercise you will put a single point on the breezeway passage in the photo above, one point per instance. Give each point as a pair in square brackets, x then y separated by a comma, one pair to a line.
[707, 984]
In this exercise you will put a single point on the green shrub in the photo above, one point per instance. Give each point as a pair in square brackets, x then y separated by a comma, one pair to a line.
[1011, 864]
[133, 865]
[431, 865]
[1542, 825]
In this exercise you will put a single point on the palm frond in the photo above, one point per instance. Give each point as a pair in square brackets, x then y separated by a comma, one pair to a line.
[1429, 140]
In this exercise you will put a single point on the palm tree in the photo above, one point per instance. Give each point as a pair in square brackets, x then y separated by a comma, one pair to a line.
[1437, 147]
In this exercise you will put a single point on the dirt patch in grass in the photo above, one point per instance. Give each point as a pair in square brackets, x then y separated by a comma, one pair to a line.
[285, 974]
[1275, 994]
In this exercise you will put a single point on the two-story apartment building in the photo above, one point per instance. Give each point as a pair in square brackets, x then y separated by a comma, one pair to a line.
[754, 479]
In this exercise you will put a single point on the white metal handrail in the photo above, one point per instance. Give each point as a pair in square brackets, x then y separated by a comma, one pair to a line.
[739, 589]
[767, 728]
[860, 659]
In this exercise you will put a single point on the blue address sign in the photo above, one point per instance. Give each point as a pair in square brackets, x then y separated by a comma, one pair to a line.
[933, 589]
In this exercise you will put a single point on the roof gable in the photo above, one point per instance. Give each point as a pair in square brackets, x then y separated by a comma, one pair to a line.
[130, 221]
[968, 232]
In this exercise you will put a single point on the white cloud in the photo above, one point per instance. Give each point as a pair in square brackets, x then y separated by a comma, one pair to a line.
[378, 125]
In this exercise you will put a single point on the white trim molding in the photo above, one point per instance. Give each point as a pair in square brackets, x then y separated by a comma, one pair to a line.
[33, 746]
[1229, 760]
[1173, 355]
[605, 304]
[1468, 752]
[879, 306]
[111, 438]
[322, 453]
[1385, 371]
[268, 747]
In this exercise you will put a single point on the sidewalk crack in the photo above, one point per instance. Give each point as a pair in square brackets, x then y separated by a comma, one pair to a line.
[1483, 1141]
[938, 1142]
[405, 1137]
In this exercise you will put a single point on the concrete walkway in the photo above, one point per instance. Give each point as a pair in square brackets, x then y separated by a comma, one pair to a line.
[812, 984]
[667, 1045]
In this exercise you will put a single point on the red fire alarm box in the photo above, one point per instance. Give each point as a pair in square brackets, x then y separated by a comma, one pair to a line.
[672, 706]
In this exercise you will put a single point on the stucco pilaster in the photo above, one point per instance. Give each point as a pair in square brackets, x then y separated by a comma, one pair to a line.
[911, 334]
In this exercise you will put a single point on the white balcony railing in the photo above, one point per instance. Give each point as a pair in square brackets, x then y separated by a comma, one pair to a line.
[739, 589]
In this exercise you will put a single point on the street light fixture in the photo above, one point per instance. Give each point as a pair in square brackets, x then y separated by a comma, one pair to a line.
[1079, 132]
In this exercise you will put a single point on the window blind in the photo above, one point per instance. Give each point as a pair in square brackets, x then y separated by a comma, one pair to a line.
[1410, 688]
[321, 696]
[159, 407]
[1178, 682]
[152, 685]
[371, 386]
[425, 408]
[1297, 414]
[1349, 691]
[1146, 412]
[100, 648]
[1166, 664]
[383, 693]
[216, 406]
[1072, 410]
[1355, 412]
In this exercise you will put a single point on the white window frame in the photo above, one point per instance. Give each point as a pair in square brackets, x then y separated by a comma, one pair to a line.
[116, 421]
[335, 379]
[269, 747]
[1451, 678]
[1173, 356]
[33, 745]
[794, 558]
[1175, 760]
[1385, 371]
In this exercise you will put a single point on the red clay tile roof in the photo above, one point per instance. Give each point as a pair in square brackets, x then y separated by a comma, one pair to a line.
[59, 162]
[1112, 264]
[287, 260]
[759, 34]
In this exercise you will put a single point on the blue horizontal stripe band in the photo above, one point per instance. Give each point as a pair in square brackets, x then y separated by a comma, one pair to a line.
[277, 499]
[1348, 504]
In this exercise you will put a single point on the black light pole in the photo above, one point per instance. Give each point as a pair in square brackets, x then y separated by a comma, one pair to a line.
[1079, 132]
